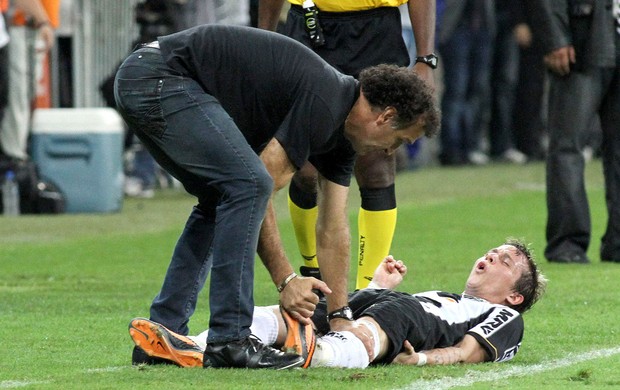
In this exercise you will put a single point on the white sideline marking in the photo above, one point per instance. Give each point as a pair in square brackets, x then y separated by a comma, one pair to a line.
[14, 384]
[105, 369]
[472, 377]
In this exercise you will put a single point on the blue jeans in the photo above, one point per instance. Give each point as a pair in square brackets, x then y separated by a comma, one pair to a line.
[191, 136]
[466, 56]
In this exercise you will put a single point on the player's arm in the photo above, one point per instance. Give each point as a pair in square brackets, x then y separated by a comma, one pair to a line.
[388, 274]
[466, 351]
[297, 297]
[422, 14]
[269, 14]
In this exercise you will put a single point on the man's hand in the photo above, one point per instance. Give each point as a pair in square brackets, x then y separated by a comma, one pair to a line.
[408, 356]
[46, 33]
[389, 273]
[299, 300]
[523, 35]
[360, 331]
[560, 60]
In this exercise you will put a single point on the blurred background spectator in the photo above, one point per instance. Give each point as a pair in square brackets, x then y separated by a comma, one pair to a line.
[504, 74]
[491, 80]
[30, 26]
[465, 35]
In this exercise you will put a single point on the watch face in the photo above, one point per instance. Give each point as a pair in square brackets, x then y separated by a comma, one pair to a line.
[430, 60]
[348, 312]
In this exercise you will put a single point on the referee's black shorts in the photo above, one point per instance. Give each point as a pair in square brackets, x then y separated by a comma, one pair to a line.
[354, 40]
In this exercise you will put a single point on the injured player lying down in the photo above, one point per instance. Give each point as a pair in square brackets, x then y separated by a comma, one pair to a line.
[484, 323]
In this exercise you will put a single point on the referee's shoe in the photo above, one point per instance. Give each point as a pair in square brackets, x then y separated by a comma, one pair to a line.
[155, 344]
[300, 339]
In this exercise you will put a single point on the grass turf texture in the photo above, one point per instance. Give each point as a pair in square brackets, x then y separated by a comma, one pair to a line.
[71, 283]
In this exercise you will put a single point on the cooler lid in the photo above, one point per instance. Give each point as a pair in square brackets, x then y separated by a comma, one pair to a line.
[76, 120]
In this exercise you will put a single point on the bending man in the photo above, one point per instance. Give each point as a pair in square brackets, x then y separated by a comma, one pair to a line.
[232, 112]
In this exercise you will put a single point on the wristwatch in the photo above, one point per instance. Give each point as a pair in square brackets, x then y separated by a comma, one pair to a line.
[430, 60]
[344, 313]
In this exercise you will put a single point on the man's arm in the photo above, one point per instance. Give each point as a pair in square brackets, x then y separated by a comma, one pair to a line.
[35, 9]
[466, 351]
[297, 297]
[422, 14]
[550, 24]
[333, 240]
[269, 14]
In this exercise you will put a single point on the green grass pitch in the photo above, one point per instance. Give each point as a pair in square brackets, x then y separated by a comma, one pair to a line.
[70, 284]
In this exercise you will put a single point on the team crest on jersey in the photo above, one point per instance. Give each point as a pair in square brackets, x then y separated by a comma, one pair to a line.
[509, 354]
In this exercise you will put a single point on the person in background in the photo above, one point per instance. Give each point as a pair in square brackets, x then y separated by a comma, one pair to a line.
[4, 64]
[31, 36]
[528, 119]
[465, 41]
[582, 44]
[352, 35]
[504, 74]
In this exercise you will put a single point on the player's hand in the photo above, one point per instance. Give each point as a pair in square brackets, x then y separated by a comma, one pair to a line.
[408, 356]
[389, 273]
[299, 300]
[360, 331]
[560, 60]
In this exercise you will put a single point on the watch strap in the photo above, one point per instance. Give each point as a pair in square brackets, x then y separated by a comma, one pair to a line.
[430, 60]
[344, 313]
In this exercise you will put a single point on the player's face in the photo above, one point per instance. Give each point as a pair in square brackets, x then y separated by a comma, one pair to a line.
[370, 130]
[495, 274]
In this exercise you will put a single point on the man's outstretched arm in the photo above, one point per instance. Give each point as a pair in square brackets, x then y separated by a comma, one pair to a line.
[296, 294]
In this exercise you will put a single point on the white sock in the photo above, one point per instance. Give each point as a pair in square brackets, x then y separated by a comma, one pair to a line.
[201, 339]
[340, 349]
[265, 325]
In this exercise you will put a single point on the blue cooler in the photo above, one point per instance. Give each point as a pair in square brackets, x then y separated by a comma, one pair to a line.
[80, 151]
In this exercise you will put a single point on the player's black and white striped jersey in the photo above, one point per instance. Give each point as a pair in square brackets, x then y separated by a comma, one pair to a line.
[448, 317]
[434, 319]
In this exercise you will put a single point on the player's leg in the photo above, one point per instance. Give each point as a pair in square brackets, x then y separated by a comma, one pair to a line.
[346, 350]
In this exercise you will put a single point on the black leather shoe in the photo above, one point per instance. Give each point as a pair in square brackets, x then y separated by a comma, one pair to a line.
[606, 254]
[570, 258]
[248, 353]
